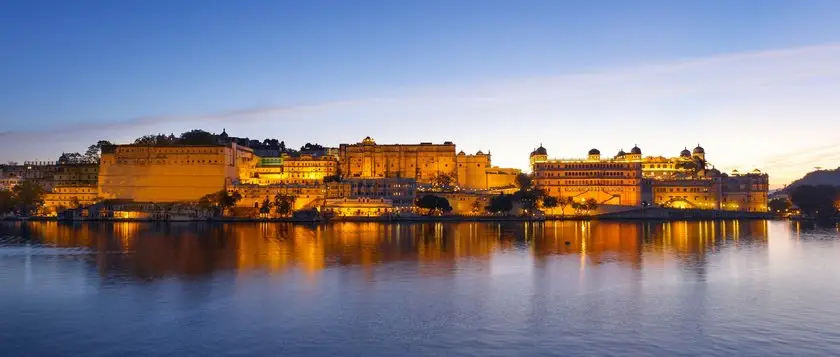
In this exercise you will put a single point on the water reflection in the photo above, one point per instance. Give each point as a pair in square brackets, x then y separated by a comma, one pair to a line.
[150, 251]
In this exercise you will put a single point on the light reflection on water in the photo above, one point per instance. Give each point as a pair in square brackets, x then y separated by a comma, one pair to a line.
[662, 288]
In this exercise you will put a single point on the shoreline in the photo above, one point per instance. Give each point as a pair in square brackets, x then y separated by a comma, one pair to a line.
[419, 219]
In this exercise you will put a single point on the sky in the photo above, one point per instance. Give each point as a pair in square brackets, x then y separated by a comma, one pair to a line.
[755, 82]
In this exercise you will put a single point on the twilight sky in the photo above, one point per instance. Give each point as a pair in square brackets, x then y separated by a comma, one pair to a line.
[756, 82]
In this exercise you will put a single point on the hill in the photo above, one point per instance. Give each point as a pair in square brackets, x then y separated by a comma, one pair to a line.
[819, 177]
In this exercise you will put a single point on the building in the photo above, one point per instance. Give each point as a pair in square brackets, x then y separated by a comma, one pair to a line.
[695, 193]
[75, 174]
[607, 181]
[472, 170]
[685, 181]
[745, 192]
[359, 207]
[422, 162]
[307, 195]
[466, 203]
[306, 167]
[70, 196]
[8, 183]
[401, 192]
[171, 173]
[288, 169]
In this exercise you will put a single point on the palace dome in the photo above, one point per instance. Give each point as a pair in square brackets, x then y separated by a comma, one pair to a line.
[539, 151]
[621, 153]
[699, 150]
[594, 152]
[461, 153]
[685, 153]
[636, 150]
[368, 141]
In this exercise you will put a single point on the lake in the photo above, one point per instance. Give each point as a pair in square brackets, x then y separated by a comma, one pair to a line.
[455, 289]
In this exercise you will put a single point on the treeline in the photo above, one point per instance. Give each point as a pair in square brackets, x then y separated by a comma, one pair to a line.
[23, 200]
[202, 137]
[817, 201]
[192, 137]
[91, 156]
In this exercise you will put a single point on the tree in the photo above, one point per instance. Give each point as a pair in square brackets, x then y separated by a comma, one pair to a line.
[779, 205]
[94, 152]
[500, 204]
[283, 204]
[524, 182]
[146, 140]
[207, 203]
[220, 201]
[265, 207]
[228, 200]
[550, 202]
[590, 205]
[442, 182]
[71, 158]
[311, 147]
[8, 202]
[818, 201]
[199, 137]
[432, 203]
[29, 196]
[563, 202]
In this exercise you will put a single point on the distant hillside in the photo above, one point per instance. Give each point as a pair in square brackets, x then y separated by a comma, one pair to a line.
[820, 177]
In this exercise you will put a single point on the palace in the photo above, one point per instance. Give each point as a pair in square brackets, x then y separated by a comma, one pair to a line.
[367, 178]
[423, 162]
[629, 179]
[608, 181]
[171, 173]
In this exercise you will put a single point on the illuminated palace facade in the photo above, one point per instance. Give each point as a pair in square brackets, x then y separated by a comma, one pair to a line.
[630, 179]
[423, 162]
[171, 173]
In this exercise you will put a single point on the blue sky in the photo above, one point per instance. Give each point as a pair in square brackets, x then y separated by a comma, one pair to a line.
[752, 81]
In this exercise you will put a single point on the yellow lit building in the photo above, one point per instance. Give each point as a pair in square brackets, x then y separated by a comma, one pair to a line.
[607, 181]
[70, 196]
[301, 169]
[466, 203]
[745, 192]
[76, 174]
[476, 173]
[171, 173]
[400, 192]
[307, 195]
[359, 207]
[422, 162]
[694, 193]
[628, 178]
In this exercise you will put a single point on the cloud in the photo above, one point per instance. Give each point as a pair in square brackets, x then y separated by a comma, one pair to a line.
[766, 108]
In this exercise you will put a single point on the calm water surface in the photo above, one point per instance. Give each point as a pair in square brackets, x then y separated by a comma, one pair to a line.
[470, 289]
